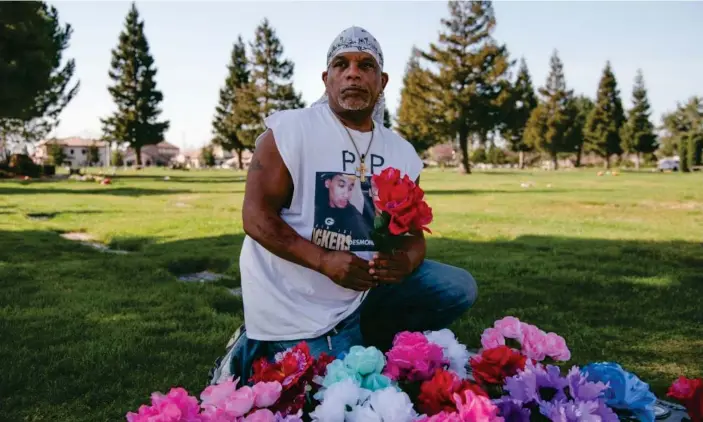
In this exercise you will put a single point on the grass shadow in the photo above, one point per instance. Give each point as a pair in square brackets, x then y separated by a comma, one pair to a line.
[213, 178]
[136, 192]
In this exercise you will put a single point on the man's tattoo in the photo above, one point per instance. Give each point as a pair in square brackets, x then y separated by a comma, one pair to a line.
[256, 165]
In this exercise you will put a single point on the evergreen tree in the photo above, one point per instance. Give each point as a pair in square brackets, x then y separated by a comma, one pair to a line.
[387, 118]
[270, 87]
[35, 83]
[472, 79]
[93, 154]
[522, 102]
[606, 119]
[416, 119]
[684, 133]
[229, 119]
[56, 153]
[638, 132]
[580, 107]
[550, 123]
[134, 91]
[208, 155]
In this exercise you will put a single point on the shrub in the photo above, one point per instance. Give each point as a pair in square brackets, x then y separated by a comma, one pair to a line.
[22, 165]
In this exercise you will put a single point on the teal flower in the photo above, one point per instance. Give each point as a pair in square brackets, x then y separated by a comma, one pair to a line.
[365, 360]
[375, 382]
[338, 371]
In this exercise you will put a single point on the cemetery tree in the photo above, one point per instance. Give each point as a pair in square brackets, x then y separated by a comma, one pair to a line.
[93, 154]
[136, 120]
[387, 118]
[472, 79]
[208, 155]
[606, 119]
[638, 135]
[580, 107]
[56, 153]
[522, 102]
[227, 125]
[35, 79]
[417, 116]
[548, 127]
[270, 87]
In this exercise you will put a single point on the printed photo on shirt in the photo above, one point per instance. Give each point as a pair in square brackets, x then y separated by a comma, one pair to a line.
[344, 212]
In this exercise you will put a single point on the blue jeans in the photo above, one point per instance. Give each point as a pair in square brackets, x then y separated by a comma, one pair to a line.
[431, 298]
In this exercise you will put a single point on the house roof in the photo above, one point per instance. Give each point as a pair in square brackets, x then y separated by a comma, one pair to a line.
[75, 142]
[164, 144]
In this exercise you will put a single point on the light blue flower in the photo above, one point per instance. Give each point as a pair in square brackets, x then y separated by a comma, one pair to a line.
[625, 391]
[338, 371]
[365, 360]
[375, 382]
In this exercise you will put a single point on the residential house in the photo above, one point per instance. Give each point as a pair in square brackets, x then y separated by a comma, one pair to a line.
[76, 151]
[161, 154]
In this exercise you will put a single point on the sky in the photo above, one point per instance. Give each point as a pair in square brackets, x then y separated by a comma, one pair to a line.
[191, 43]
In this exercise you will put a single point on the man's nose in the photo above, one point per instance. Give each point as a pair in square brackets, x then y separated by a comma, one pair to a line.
[353, 71]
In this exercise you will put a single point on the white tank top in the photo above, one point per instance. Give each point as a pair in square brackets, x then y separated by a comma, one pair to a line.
[332, 208]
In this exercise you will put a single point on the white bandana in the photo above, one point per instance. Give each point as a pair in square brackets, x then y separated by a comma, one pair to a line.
[355, 39]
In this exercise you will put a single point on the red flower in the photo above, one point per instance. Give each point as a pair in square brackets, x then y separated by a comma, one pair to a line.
[403, 201]
[690, 393]
[436, 394]
[494, 365]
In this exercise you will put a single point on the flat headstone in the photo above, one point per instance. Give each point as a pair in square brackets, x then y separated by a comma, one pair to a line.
[236, 292]
[201, 277]
[88, 240]
[41, 216]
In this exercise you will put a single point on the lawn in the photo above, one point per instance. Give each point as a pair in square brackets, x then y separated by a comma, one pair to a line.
[612, 263]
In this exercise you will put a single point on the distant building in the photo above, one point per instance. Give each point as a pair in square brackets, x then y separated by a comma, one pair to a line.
[161, 154]
[75, 150]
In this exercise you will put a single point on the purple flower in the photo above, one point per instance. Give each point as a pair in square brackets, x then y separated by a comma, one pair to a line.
[582, 389]
[512, 410]
[537, 383]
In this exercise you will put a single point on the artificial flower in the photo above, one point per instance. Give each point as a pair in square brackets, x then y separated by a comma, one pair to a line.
[374, 382]
[537, 383]
[437, 394]
[492, 337]
[512, 410]
[510, 327]
[470, 407]
[625, 392]
[228, 399]
[413, 357]
[580, 411]
[402, 202]
[338, 371]
[494, 365]
[266, 393]
[175, 406]
[454, 352]
[392, 405]
[690, 393]
[335, 400]
[365, 360]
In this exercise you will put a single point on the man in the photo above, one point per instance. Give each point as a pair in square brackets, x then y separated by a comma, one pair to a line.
[302, 284]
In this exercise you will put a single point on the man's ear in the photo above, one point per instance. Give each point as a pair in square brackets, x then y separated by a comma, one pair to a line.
[324, 77]
[384, 80]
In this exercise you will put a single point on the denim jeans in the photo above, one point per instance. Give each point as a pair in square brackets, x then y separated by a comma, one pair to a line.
[431, 298]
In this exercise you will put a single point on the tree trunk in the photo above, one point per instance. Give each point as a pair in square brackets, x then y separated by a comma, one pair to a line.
[239, 159]
[521, 158]
[138, 151]
[637, 160]
[607, 162]
[555, 161]
[464, 146]
[579, 153]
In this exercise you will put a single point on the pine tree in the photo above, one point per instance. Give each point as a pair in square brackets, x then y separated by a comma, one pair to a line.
[472, 79]
[387, 118]
[580, 107]
[35, 78]
[638, 135]
[134, 91]
[548, 128]
[684, 132]
[522, 102]
[606, 119]
[416, 119]
[228, 122]
[270, 88]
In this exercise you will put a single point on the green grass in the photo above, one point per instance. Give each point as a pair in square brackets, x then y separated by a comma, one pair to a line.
[614, 264]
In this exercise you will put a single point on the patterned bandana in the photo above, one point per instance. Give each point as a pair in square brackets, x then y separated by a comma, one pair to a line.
[355, 39]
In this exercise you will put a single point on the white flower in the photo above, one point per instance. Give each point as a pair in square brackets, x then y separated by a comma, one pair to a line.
[392, 405]
[335, 400]
[454, 352]
[363, 414]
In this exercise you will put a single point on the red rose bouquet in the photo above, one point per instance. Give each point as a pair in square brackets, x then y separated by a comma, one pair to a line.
[401, 208]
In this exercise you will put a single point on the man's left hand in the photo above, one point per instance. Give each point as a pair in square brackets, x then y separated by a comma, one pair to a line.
[391, 268]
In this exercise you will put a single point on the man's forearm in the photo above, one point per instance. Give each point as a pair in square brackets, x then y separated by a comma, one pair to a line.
[274, 234]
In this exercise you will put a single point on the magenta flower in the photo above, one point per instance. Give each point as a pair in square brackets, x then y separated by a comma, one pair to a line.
[413, 357]
[470, 407]
[176, 406]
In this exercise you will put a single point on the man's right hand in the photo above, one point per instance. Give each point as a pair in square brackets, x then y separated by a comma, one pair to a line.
[347, 270]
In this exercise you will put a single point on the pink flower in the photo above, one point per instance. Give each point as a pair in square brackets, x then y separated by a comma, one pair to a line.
[534, 343]
[413, 357]
[176, 406]
[266, 393]
[471, 407]
[261, 415]
[225, 397]
[492, 337]
[555, 347]
[510, 327]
